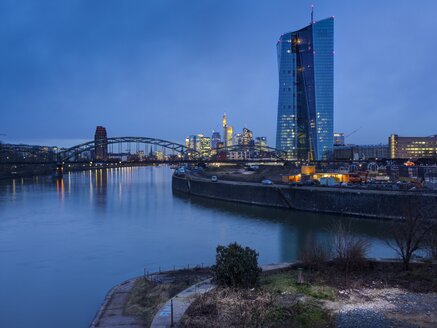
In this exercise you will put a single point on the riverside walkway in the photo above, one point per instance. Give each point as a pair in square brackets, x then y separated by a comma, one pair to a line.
[110, 314]
[183, 300]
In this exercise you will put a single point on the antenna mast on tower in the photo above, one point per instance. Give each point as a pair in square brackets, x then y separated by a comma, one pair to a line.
[312, 14]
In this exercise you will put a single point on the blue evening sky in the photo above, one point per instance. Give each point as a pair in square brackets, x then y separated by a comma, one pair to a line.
[166, 69]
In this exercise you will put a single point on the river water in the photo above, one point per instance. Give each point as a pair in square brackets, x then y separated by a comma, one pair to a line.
[65, 243]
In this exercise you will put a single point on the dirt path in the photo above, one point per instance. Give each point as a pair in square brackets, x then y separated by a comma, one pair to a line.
[386, 307]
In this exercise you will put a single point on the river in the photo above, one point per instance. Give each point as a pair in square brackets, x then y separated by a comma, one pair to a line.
[65, 243]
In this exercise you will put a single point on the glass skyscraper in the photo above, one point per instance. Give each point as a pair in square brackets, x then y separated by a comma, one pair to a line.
[306, 92]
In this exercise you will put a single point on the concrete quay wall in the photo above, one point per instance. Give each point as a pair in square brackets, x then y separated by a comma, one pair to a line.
[356, 202]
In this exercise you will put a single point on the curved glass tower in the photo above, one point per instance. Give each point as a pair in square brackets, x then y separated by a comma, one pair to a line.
[306, 92]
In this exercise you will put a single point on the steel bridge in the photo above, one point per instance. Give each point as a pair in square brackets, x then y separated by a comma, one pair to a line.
[19, 154]
[248, 152]
[76, 153]
[128, 148]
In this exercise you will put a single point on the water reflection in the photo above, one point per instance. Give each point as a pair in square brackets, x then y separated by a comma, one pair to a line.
[101, 182]
[298, 228]
[93, 229]
[60, 188]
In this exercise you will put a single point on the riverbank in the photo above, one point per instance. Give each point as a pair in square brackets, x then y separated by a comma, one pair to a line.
[380, 294]
[134, 302]
[381, 204]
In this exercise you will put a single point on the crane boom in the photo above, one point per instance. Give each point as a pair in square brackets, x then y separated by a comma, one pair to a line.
[356, 130]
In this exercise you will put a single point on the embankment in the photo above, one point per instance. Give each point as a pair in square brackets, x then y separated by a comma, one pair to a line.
[358, 202]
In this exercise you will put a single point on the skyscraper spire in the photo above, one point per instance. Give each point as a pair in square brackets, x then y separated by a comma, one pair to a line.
[224, 120]
[312, 14]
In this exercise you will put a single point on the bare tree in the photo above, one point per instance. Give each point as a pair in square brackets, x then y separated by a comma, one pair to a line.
[350, 251]
[410, 235]
[314, 254]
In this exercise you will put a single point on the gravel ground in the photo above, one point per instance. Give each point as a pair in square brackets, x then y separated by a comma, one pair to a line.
[387, 307]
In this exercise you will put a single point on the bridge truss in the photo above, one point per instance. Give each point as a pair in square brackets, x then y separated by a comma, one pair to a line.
[145, 145]
[241, 152]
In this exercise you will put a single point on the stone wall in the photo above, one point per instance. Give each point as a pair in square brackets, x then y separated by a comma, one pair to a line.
[359, 202]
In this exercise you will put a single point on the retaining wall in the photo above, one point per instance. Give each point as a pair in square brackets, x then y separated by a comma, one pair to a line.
[358, 202]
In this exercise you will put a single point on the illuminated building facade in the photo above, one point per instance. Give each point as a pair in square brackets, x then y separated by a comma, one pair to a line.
[247, 137]
[205, 146]
[227, 132]
[199, 143]
[101, 144]
[215, 140]
[338, 139]
[261, 143]
[412, 147]
[238, 139]
[306, 91]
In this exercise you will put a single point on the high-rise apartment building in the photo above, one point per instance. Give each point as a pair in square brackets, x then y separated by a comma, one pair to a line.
[101, 144]
[306, 91]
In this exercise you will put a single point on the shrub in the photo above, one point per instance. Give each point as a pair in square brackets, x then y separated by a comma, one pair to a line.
[349, 251]
[236, 266]
[314, 255]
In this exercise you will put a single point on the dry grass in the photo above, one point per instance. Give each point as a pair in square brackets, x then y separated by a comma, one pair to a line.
[314, 255]
[278, 302]
[147, 298]
[225, 307]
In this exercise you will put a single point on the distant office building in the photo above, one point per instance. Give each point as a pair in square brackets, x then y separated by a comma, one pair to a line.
[192, 142]
[261, 143]
[215, 140]
[199, 143]
[361, 152]
[238, 139]
[412, 147]
[158, 155]
[205, 146]
[306, 91]
[140, 154]
[245, 140]
[247, 137]
[227, 132]
[101, 144]
[338, 139]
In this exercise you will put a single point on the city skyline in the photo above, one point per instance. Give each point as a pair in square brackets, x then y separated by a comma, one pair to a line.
[59, 82]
